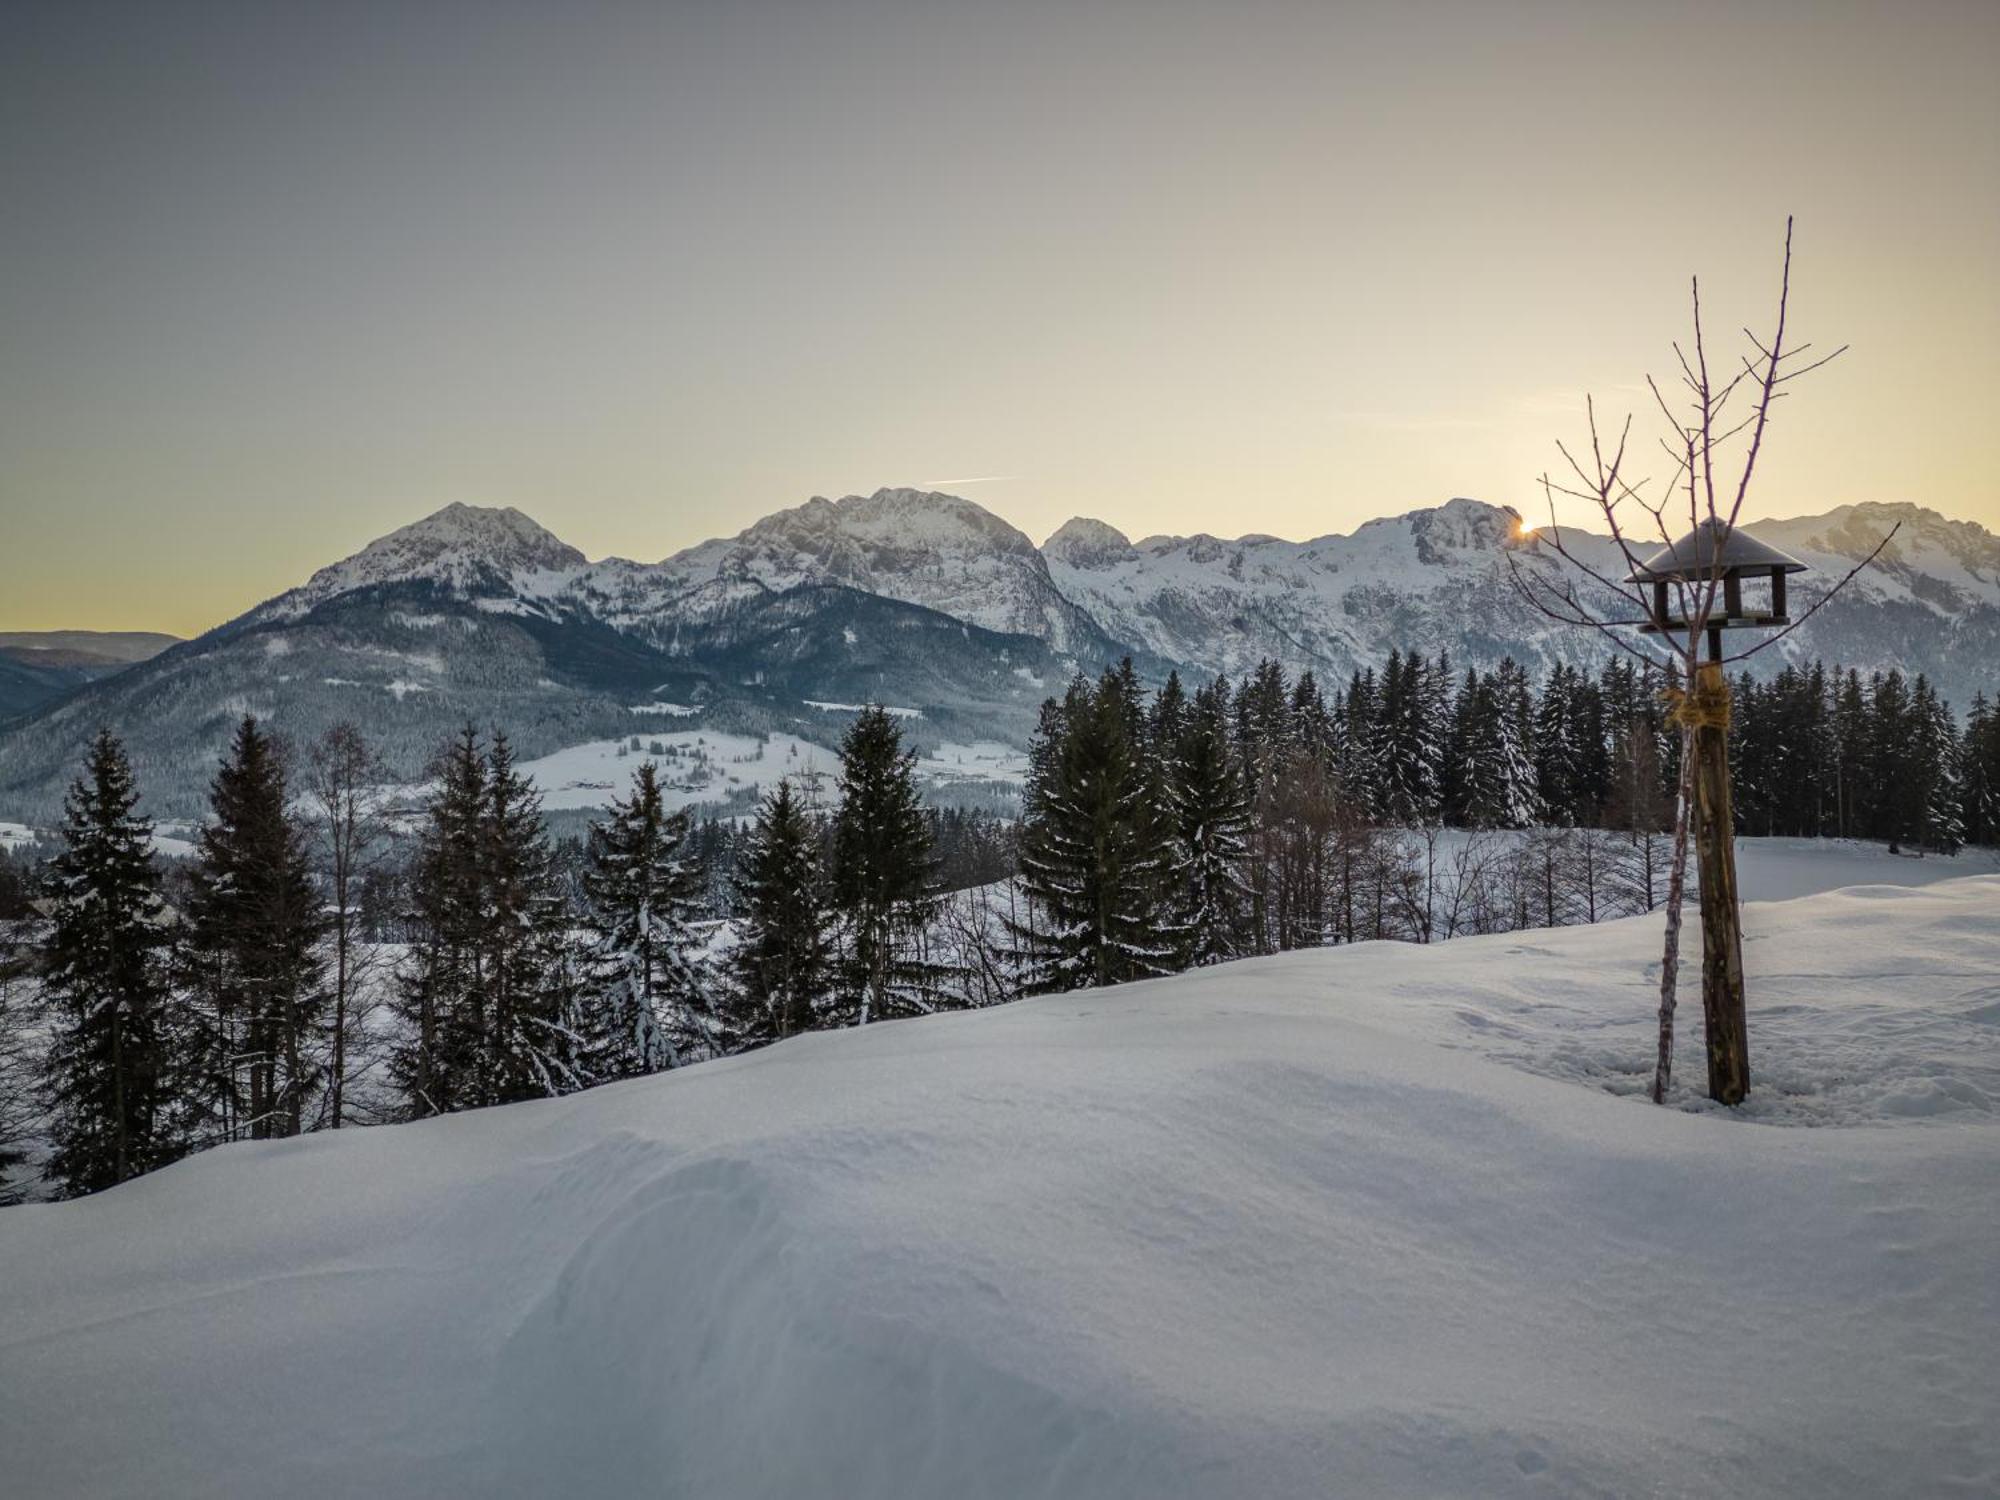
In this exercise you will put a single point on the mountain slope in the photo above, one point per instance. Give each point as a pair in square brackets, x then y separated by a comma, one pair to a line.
[40, 666]
[1433, 580]
[934, 550]
[411, 658]
[1439, 579]
[917, 599]
[1360, 1221]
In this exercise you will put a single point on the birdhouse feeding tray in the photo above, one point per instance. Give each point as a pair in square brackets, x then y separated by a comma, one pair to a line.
[1717, 552]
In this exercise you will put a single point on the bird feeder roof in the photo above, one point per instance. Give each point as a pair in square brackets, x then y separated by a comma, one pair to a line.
[1715, 549]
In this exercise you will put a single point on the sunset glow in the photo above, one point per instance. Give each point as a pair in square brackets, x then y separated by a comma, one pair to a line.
[281, 279]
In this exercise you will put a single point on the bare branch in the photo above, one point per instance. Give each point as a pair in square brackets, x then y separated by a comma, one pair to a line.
[1819, 603]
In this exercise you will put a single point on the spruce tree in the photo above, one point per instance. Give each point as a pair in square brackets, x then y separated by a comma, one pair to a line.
[531, 1042]
[644, 890]
[1515, 762]
[1982, 773]
[1212, 813]
[109, 1073]
[441, 992]
[1097, 852]
[783, 963]
[883, 869]
[1935, 758]
[253, 929]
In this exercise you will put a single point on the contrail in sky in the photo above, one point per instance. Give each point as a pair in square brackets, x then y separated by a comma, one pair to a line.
[983, 479]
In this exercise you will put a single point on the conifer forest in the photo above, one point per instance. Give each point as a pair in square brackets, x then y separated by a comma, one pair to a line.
[332, 956]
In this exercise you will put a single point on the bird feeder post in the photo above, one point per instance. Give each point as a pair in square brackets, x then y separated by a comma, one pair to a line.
[1722, 999]
[1713, 553]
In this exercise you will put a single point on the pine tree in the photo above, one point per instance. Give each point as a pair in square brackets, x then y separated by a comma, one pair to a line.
[1097, 851]
[1851, 727]
[1212, 811]
[1937, 767]
[1514, 772]
[531, 1041]
[784, 962]
[253, 931]
[17, 1114]
[884, 874]
[1497, 770]
[1894, 798]
[1982, 773]
[441, 994]
[109, 1074]
[644, 892]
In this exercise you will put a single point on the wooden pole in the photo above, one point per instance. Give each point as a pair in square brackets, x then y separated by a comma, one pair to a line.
[1721, 924]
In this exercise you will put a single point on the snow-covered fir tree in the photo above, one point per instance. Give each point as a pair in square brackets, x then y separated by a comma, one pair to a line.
[488, 996]
[1936, 765]
[884, 871]
[1098, 852]
[531, 1044]
[109, 1078]
[1212, 817]
[783, 960]
[644, 892]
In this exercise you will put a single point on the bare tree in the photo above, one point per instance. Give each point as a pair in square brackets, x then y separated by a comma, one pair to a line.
[346, 779]
[1712, 448]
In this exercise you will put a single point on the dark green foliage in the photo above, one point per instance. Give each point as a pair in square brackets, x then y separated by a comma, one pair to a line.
[108, 1081]
[1099, 854]
[251, 950]
[884, 871]
[783, 961]
[489, 996]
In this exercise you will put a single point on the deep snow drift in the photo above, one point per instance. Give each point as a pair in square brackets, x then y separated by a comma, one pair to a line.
[1370, 1221]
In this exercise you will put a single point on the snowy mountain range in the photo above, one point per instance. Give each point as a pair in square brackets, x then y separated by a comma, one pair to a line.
[917, 599]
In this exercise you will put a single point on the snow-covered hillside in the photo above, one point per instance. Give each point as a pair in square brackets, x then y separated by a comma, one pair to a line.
[465, 549]
[937, 550]
[1371, 1221]
[1438, 580]
[705, 767]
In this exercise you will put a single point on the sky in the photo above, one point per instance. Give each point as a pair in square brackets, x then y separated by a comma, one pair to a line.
[278, 278]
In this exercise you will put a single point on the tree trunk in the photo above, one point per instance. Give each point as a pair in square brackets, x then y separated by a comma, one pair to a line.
[1670, 955]
[1721, 927]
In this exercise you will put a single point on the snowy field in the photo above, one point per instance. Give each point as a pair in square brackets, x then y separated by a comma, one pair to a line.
[1780, 869]
[1377, 1220]
[696, 766]
[706, 766]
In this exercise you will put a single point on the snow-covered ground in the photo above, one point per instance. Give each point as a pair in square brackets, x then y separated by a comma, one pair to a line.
[171, 841]
[1376, 1220]
[696, 766]
[701, 766]
[1780, 869]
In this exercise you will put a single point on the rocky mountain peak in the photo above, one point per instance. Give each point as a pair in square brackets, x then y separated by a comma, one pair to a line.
[1082, 542]
[463, 548]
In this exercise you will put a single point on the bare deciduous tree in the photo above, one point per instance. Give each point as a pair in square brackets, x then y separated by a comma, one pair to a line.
[346, 779]
[1713, 447]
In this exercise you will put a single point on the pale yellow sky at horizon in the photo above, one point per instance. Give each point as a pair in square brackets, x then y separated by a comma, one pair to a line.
[280, 280]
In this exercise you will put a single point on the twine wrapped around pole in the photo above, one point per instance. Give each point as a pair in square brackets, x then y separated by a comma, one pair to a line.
[1703, 706]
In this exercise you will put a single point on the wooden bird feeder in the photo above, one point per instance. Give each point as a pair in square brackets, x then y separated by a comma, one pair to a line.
[1715, 552]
